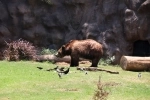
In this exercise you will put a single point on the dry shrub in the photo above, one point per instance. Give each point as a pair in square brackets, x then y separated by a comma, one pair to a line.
[20, 50]
[101, 93]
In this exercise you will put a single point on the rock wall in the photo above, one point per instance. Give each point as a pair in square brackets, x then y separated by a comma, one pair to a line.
[117, 24]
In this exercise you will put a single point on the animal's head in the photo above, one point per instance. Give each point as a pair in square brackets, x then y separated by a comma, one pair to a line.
[61, 52]
[64, 50]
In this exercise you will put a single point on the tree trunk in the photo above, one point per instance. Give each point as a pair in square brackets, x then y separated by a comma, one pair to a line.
[53, 58]
[131, 63]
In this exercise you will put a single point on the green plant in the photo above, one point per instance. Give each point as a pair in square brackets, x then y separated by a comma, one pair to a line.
[48, 51]
[107, 61]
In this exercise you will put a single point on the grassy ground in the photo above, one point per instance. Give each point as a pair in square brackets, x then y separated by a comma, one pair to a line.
[23, 81]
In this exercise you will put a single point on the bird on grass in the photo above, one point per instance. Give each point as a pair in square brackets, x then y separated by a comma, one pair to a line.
[40, 68]
[139, 75]
[82, 69]
[86, 72]
[56, 68]
[62, 72]
[61, 68]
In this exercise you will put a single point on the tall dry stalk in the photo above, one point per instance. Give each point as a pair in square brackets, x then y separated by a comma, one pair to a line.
[101, 93]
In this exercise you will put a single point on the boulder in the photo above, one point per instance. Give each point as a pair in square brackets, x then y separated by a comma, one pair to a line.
[116, 24]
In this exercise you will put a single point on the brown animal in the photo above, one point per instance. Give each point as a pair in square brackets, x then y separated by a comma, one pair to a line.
[88, 49]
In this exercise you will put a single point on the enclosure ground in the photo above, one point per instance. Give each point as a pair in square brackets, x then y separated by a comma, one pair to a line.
[24, 81]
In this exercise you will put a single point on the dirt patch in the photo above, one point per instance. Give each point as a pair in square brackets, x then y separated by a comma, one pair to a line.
[62, 64]
[69, 90]
[111, 84]
[5, 98]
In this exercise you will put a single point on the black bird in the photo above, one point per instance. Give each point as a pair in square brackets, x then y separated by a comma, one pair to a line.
[40, 68]
[55, 68]
[82, 69]
[63, 71]
[66, 71]
[86, 72]
[60, 72]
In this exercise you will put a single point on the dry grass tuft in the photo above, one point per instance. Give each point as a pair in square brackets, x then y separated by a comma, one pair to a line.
[101, 93]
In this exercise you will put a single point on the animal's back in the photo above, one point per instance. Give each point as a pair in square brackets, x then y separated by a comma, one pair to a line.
[87, 44]
[87, 48]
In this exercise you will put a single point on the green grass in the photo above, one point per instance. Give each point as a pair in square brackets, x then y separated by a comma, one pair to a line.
[23, 81]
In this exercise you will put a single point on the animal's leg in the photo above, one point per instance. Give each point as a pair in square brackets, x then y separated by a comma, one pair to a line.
[74, 61]
[95, 62]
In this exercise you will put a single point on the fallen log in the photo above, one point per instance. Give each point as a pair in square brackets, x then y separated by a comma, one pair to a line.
[55, 59]
[95, 69]
[131, 63]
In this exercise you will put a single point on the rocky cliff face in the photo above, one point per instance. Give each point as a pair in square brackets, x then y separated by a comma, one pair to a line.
[117, 24]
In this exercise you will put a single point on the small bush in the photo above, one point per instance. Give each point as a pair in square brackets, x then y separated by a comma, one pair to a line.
[48, 51]
[101, 93]
[107, 61]
[20, 50]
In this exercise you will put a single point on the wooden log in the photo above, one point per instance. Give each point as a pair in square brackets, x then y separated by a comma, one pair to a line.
[95, 69]
[53, 58]
[131, 63]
